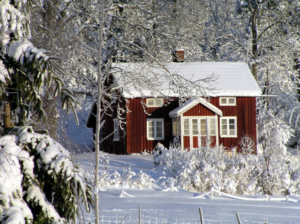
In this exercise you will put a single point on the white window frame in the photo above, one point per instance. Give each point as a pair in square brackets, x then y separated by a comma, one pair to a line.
[227, 123]
[116, 130]
[155, 100]
[227, 101]
[208, 127]
[155, 120]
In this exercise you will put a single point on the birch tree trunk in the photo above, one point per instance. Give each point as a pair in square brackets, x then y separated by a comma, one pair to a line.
[98, 124]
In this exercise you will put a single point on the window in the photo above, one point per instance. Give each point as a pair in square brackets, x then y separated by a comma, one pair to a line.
[228, 127]
[155, 129]
[152, 102]
[203, 126]
[176, 130]
[227, 101]
[212, 127]
[116, 130]
[195, 126]
[206, 126]
[186, 130]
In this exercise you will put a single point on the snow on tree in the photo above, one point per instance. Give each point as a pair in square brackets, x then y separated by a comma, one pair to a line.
[39, 181]
[32, 71]
[242, 173]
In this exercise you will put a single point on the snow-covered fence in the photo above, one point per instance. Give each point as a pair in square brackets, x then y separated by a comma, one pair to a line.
[136, 216]
[213, 192]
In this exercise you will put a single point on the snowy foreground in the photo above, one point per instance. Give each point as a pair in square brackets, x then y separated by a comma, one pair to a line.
[161, 206]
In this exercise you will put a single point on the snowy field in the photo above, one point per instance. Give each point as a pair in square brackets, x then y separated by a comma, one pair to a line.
[159, 206]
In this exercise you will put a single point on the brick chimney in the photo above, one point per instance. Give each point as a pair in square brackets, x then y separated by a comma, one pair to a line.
[178, 55]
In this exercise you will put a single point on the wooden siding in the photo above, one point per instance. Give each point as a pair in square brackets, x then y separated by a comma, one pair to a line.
[134, 137]
[245, 111]
[136, 133]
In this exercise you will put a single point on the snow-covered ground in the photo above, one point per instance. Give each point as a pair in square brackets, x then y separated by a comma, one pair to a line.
[159, 206]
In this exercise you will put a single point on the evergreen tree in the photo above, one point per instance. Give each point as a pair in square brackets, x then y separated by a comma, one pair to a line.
[40, 182]
[32, 72]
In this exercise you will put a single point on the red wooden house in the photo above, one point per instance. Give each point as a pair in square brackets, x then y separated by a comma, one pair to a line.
[228, 114]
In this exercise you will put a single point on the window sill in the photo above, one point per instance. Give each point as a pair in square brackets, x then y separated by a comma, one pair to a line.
[116, 140]
[228, 136]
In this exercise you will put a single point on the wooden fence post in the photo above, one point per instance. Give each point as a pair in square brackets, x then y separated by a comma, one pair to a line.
[238, 218]
[201, 216]
[140, 215]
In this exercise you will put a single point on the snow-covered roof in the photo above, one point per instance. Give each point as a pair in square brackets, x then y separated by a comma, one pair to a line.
[234, 78]
[190, 104]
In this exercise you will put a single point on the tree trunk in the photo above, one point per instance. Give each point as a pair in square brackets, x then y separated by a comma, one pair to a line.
[98, 120]
[254, 43]
[7, 116]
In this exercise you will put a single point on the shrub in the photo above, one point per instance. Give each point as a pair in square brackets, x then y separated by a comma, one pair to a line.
[235, 173]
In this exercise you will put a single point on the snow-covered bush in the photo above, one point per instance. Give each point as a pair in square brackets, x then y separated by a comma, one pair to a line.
[235, 173]
[39, 182]
[124, 179]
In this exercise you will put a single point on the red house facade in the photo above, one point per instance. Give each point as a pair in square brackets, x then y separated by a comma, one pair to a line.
[226, 116]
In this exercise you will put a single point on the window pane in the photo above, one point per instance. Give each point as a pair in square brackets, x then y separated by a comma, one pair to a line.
[231, 126]
[159, 129]
[224, 126]
[224, 130]
[150, 129]
[195, 126]
[203, 126]
[212, 126]
[159, 123]
[224, 101]
[150, 102]
[174, 126]
[231, 101]
[186, 126]
[178, 127]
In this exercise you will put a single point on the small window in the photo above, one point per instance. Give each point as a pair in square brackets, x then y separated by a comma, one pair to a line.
[228, 127]
[116, 130]
[176, 130]
[155, 129]
[227, 101]
[154, 102]
[186, 126]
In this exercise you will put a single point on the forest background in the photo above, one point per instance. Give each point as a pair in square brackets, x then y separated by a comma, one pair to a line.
[53, 52]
